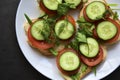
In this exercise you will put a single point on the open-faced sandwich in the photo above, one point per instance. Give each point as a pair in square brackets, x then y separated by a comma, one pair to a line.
[78, 48]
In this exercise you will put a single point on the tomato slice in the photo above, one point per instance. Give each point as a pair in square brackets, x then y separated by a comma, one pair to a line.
[115, 38]
[38, 44]
[45, 9]
[93, 61]
[95, 34]
[58, 64]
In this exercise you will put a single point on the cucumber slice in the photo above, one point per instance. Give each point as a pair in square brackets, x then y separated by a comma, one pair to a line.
[89, 49]
[64, 29]
[106, 30]
[95, 10]
[75, 2]
[69, 61]
[52, 4]
[36, 29]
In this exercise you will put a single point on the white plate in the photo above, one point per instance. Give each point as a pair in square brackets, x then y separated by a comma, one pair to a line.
[47, 66]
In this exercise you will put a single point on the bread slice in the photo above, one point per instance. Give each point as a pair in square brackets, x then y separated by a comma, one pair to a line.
[42, 51]
[104, 1]
[88, 70]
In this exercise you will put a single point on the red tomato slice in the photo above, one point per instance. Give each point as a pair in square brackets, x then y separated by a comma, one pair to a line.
[38, 44]
[93, 61]
[95, 34]
[114, 39]
[58, 64]
[71, 19]
[45, 9]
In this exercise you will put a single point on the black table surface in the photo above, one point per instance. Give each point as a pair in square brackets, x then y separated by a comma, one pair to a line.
[13, 65]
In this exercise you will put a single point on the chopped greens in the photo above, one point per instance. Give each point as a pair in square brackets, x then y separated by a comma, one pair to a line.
[28, 19]
[81, 19]
[74, 44]
[94, 70]
[83, 68]
[46, 32]
[86, 30]
[61, 29]
[64, 8]
[81, 37]
[115, 16]
[53, 51]
[42, 16]
[113, 5]
[76, 76]
[63, 25]
[85, 27]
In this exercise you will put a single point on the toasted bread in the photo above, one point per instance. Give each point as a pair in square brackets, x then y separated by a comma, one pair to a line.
[44, 52]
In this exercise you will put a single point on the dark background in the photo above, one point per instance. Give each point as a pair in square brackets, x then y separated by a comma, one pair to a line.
[13, 65]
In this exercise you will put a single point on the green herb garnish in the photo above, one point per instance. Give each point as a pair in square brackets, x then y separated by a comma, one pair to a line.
[74, 44]
[46, 31]
[76, 76]
[115, 16]
[64, 8]
[62, 27]
[81, 37]
[94, 70]
[53, 51]
[28, 19]
[113, 5]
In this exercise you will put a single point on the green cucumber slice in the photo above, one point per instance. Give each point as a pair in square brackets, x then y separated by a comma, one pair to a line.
[64, 29]
[95, 10]
[89, 49]
[75, 2]
[37, 28]
[69, 61]
[52, 4]
[106, 30]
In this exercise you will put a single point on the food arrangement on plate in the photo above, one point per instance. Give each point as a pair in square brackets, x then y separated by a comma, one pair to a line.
[78, 46]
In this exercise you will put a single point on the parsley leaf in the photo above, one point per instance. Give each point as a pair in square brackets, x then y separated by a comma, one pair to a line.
[28, 19]
[76, 76]
[64, 8]
[115, 16]
[81, 37]
[113, 5]
[53, 51]
[74, 44]
[85, 28]
[94, 70]
[46, 31]
[62, 26]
